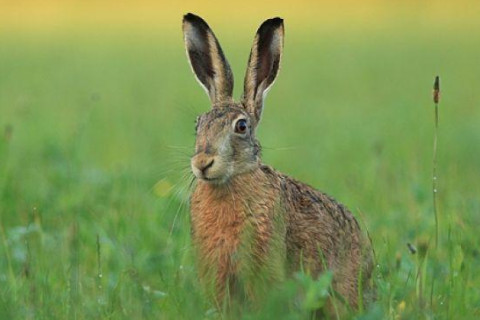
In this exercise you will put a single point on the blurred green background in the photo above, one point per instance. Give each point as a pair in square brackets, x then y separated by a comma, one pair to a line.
[97, 111]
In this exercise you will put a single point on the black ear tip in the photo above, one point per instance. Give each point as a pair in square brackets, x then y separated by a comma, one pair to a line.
[276, 21]
[195, 20]
[271, 24]
[190, 17]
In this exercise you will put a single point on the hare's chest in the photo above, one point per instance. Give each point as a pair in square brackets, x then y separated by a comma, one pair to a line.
[217, 228]
[236, 236]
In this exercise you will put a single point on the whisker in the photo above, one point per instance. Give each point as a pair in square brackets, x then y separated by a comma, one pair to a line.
[178, 147]
[183, 204]
[288, 148]
[187, 108]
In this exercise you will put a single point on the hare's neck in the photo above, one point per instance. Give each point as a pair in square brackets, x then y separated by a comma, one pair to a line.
[251, 194]
[246, 195]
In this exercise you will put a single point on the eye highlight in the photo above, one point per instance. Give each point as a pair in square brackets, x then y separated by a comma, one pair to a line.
[241, 126]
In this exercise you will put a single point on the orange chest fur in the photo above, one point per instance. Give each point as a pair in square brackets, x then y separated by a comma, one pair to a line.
[217, 223]
[233, 227]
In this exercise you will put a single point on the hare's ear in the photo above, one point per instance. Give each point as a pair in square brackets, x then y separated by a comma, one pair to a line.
[207, 60]
[263, 65]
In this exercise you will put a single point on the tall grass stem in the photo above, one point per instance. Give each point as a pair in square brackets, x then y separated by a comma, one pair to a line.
[436, 99]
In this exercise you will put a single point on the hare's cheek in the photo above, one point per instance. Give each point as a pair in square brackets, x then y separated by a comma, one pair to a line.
[224, 146]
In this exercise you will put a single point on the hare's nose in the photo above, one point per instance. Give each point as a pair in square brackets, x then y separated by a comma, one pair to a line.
[203, 163]
[205, 166]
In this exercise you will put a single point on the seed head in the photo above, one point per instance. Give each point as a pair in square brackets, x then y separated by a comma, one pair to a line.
[436, 90]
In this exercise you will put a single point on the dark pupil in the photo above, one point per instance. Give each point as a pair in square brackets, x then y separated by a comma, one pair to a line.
[241, 126]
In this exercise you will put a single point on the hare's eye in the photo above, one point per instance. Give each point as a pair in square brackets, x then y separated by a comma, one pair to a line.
[241, 126]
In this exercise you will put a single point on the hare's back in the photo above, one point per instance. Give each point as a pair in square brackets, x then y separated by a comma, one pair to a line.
[318, 225]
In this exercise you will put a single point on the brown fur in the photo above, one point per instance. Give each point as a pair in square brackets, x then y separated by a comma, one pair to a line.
[252, 225]
[220, 217]
[314, 225]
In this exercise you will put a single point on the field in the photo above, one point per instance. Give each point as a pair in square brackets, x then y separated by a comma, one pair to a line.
[96, 129]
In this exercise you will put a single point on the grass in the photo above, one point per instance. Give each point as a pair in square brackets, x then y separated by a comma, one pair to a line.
[94, 142]
[436, 99]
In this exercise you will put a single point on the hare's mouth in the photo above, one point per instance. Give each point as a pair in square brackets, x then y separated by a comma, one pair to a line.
[214, 180]
[209, 179]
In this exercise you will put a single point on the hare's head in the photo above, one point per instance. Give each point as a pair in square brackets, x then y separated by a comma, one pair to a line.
[225, 144]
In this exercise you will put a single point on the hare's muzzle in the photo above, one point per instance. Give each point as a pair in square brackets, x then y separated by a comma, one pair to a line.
[202, 165]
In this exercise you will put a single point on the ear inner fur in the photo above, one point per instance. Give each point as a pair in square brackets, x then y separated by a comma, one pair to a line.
[263, 65]
[207, 60]
[224, 80]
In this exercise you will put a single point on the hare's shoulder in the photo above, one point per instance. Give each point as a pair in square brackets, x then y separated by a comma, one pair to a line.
[305, 201]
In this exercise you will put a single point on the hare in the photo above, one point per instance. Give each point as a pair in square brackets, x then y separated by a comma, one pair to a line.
[252, 226]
